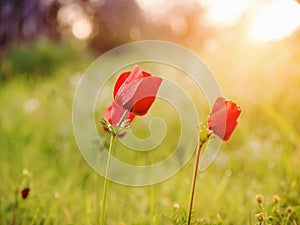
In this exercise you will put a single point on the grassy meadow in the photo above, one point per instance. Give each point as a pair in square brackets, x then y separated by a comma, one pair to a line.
[39, 151]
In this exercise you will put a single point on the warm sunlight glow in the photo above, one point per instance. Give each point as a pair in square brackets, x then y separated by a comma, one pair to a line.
[82, 29]
[224, 13]
[154, 9]
[178, 24]
[276, 21]
[72, 18]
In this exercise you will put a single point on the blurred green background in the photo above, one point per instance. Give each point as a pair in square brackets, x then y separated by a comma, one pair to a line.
[253, 49]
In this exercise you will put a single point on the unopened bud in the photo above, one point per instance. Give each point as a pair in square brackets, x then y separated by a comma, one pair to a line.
[259, 198]
[203, 133]
[289, 209]
[276, 199]
[270, 218]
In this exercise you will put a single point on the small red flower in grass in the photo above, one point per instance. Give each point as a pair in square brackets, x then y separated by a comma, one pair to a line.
[135, 91]
[223, 118]
[114, 114]
[25, 192]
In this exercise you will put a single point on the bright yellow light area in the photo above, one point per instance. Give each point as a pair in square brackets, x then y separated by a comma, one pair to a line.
[224, 13]
[276, 21]
[82, 28]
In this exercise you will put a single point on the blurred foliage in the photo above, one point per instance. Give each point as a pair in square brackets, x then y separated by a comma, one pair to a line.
[29, 22]
[113, 22]
[179, 216]
[276, 212]
[38, 59]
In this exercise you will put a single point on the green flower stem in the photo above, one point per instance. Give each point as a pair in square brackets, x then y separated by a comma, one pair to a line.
[15, 208]
[194, 180]
[107, 169]
[105, 186]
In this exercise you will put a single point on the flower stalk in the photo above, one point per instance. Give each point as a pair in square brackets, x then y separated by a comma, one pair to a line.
[222, 121]
[105, 185]
[196, 165]
[134, 93]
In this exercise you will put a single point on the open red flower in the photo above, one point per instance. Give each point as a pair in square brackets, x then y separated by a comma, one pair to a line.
[136, 90]
[223, 118]
[114, 114]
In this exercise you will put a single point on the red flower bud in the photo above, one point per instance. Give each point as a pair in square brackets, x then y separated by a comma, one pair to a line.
[136, 91]
[223, 118]
[25, 193]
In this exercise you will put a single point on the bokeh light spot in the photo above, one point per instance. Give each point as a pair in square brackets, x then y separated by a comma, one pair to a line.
[68, 14]
[135, 33]
[82, 28]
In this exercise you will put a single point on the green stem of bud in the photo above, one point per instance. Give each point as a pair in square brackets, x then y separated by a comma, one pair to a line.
[105, 185]
[202, 142]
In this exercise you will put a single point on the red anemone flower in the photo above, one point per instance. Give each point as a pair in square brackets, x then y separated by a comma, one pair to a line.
[114, 114]
[25, 192]
[136, 91]
[223, 118]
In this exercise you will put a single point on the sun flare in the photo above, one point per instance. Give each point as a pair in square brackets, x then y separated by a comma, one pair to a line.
[275, 21]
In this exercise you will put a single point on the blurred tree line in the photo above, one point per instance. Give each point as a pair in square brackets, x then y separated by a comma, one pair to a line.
[113, 22]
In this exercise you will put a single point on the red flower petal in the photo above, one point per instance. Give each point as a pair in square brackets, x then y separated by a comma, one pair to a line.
[114, 114]
[130, 76]
[145, 95]
[136, 91]
[223, 118]
[120, 81]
